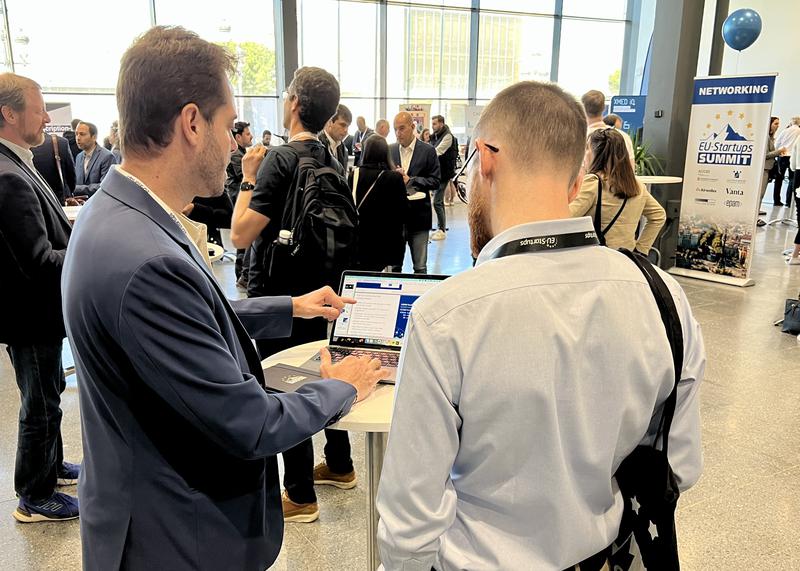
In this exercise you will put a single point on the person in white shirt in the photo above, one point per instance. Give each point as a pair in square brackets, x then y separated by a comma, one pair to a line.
[525, 382]
[786, 139]
[594, 102]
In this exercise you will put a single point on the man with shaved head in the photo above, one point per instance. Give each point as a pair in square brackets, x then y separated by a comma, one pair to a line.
[511, 392]
[418, 163]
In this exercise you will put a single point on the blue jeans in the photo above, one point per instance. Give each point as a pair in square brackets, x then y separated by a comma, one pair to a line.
[438, 204]
[40, 452]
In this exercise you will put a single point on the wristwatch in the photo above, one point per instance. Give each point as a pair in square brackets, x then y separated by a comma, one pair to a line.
[245, 186]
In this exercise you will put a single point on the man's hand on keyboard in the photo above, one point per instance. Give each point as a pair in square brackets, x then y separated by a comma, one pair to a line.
[360, 372]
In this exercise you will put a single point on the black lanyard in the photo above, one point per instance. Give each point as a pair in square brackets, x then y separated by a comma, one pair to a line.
[546, 243]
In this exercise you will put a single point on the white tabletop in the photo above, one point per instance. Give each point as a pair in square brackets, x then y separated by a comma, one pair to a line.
[373, 414]
[659, 179]
[72, 212]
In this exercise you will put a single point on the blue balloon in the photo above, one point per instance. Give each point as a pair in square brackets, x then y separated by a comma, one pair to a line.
[741, 28]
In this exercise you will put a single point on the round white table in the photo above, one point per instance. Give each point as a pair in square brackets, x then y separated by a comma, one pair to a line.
[373, 416]
[215, 252]
[648, 180]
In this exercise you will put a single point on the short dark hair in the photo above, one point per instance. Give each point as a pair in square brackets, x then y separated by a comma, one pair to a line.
[342, 112]
[439, 118]
[611, 119]
[266, 132]
[376, 153]
[163, 71]
[593, 103]
[92, 127]
[317, 93]
[239, 127]
[552, 138]
[74, 123]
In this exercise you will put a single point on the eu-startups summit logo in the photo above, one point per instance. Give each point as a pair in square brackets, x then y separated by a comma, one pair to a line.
[726, 140]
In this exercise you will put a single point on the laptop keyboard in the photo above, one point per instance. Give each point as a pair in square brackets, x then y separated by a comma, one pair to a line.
[387, 359]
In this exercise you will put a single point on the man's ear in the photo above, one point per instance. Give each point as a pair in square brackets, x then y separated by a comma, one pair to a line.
[188, 124]
[487, 162]
[9, 115]
[576, 186]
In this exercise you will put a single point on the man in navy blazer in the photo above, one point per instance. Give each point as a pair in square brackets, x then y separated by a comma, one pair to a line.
[418, 163]
[92, 163]
[179, 435]
[33, 240]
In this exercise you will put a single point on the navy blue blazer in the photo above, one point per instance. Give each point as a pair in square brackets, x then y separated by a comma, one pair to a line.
[33, 242]
[101, 161]
[179, 436]
[424, 172]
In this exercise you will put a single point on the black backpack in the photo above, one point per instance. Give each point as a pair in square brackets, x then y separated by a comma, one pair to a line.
[322, 218]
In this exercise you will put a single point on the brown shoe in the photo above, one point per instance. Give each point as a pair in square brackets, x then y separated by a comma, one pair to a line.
[323, 475]
[299, 513]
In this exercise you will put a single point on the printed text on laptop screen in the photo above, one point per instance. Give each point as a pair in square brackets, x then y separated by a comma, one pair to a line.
[381, 314]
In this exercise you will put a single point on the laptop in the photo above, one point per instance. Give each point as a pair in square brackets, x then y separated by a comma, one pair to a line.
[375, 326]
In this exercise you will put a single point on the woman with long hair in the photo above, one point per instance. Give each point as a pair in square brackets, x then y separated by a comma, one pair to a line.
[381, 199]
[623, 200]
[769, 160]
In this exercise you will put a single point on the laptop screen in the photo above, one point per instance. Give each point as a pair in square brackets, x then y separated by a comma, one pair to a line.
[379, 318]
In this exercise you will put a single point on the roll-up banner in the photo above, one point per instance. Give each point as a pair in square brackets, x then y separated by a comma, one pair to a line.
[725, 155]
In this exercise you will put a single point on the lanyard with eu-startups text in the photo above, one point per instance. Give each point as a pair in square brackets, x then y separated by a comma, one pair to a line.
[547, 243]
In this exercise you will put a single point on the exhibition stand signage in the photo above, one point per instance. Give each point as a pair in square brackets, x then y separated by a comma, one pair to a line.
[420, 115]
[725, 156]
[630, 108]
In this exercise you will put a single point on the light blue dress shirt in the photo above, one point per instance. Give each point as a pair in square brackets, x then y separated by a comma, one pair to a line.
[523, 384]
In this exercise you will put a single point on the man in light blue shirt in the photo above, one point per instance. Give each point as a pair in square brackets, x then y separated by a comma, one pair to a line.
[526, 381]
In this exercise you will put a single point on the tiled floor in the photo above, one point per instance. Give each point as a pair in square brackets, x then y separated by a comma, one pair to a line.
[743, 514]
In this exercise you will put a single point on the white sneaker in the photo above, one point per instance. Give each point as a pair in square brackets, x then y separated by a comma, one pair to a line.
[438, 235]
[793, 261]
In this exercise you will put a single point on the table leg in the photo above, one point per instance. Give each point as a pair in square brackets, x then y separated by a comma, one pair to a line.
[375, 449]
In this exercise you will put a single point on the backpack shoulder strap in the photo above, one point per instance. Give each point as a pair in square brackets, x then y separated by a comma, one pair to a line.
[672, 325]
[616, 216]
[358, 208]
[598, 207]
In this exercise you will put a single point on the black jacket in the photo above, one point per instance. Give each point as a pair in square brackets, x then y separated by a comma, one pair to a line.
[234, 172]
[73, 144]
[33, 240]
[341, 150]
[424, 177]
[44, 159]
[381, 215]
[215, 213]
[447, 160]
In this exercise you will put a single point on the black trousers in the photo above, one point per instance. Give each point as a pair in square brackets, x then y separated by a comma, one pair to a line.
[298, 461]
[783, 171]
[40, 379]
[242, 266]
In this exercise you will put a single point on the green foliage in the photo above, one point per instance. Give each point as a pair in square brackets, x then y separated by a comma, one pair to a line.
[255, 68]
[647, 164]
[613, 82]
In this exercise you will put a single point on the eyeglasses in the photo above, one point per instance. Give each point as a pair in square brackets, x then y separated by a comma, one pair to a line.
[461, 189]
